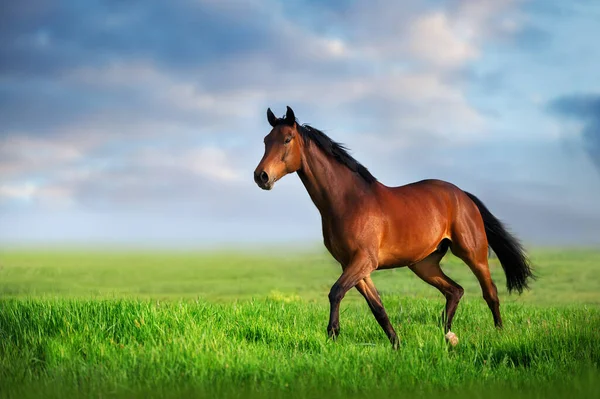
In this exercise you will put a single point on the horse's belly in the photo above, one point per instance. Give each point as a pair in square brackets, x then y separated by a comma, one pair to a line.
[408, 250]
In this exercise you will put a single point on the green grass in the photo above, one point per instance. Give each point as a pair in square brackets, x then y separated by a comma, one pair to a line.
[160, 324]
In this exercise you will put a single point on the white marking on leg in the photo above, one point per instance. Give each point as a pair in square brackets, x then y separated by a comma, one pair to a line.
[451, 338]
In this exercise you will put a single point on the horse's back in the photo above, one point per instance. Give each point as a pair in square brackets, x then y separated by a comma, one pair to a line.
[428, 184]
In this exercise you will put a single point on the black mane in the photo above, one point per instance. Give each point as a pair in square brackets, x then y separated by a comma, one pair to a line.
[334, 149]
[337, 150]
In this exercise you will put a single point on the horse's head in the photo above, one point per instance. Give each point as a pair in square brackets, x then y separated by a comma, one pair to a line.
[282, 150]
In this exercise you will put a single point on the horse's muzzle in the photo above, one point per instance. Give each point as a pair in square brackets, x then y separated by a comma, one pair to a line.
[263, 180]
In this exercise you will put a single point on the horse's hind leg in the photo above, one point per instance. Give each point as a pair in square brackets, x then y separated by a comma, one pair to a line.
[477, 260]
[429, 271]
[490, 292]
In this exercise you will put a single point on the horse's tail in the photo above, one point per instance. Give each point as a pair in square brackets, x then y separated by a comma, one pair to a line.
[507, 248]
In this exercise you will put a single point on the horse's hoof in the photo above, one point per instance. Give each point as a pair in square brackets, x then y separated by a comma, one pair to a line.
[451, 338]
[333, 333]
[395, 344]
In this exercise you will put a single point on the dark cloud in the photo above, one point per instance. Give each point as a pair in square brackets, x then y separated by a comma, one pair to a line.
[43, 44]
[43, 107]
[202, 48]
[585, 108]
[532, 37]
[179, 34]
[578, 106]
[557, 9]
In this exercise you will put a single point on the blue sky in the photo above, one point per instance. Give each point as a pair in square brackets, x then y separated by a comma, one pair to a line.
[141, 122]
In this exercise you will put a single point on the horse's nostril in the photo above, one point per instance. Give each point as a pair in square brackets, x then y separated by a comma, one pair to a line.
[264, 177]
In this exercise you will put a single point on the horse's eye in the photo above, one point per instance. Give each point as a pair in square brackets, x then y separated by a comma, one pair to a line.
[288, 139]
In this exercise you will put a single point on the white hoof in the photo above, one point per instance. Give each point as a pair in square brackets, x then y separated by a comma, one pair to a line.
[451, 338]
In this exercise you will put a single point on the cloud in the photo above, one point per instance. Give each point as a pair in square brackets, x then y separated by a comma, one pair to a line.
[143, 176]
[434, 41]
[47, 197]
[113, 73]
[158, 109]
[584, 108]
[59, 36]
[22, 191]
[208, 162]
[195, 63]
[578, 106]
[23, 155]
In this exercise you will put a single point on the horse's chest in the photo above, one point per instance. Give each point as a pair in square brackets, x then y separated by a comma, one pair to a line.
[336, 241]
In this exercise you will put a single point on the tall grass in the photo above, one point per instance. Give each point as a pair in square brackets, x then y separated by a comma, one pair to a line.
[178, 325]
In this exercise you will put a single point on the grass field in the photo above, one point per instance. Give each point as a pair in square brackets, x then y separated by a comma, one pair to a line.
[175, 324]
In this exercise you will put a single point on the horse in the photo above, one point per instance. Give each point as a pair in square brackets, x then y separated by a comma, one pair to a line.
[368, 226]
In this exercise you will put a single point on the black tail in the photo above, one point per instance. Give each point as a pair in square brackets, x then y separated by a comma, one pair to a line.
[507, 248]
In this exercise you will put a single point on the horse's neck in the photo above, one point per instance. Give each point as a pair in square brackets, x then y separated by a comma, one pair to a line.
[331, 185]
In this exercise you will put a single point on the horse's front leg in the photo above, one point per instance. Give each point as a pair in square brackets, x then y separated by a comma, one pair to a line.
[360, 267]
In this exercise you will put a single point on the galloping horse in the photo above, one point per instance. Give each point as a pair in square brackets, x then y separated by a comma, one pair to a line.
[368, 226]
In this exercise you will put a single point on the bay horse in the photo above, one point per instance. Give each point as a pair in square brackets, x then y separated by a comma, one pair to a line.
[368, 226]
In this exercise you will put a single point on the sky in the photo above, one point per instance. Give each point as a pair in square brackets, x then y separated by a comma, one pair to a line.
[141, 122]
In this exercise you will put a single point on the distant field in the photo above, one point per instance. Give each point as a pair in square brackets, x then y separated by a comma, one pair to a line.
[142, 324]
[565, 276]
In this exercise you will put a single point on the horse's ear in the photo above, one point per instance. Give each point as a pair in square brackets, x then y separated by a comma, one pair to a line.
[290, 118]
[271, 117]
